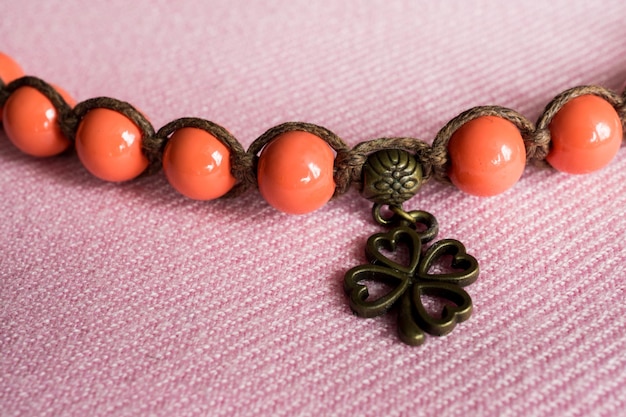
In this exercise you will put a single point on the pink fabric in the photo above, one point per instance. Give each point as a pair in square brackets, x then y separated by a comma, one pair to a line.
[128, 299]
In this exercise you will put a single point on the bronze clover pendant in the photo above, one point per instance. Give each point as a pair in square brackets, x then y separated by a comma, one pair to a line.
[412, 280]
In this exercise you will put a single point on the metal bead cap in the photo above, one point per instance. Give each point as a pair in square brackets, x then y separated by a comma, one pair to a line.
[391, 176]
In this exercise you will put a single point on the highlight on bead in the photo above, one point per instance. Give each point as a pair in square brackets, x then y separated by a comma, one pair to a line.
[30, 122]
[586, 135]
[108, 145]
[295, 172]
[197, 164]
[487, 156]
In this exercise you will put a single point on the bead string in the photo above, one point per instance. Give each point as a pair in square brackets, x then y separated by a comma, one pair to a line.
[395, 165]
[348, 162]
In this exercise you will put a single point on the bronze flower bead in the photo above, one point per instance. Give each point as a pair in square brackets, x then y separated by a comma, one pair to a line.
[391, 176]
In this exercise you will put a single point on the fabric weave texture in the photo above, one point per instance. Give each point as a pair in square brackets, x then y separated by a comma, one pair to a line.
[130, 299]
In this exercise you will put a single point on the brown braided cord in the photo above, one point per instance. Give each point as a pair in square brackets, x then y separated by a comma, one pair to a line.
[326, 135]
[240, 161]
[68, 119]
[348, 162]
[4, 93]
[349, 165]
[148, 147]
[64, 111]
[439, 152]
[553, 107]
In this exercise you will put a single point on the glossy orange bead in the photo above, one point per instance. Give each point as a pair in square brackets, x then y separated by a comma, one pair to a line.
[295, 172]
[586, 134]
[197, 164]
[9, 71]
[487, 156]
[109, 146]
[30, 122]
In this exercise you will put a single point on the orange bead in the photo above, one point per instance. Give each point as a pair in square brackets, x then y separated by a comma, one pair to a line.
[9, 71]
[586, 134]
[30, 122]
[295, 172]
[487, 156]
[109, 146]
[197, 164]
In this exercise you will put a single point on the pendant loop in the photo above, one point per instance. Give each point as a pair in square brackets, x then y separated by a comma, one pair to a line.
[397, 215]
[424, 223]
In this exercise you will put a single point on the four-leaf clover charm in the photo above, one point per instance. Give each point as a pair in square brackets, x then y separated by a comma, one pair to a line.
[412, 280]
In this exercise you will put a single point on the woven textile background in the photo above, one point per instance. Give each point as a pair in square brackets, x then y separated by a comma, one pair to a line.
[129, 299]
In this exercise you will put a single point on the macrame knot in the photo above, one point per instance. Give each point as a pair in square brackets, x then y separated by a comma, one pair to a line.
[538, 146]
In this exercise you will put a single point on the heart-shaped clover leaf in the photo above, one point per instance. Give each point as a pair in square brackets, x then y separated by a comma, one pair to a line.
[463, 267]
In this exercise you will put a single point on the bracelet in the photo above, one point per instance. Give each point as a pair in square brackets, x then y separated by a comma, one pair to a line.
[298, 167]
